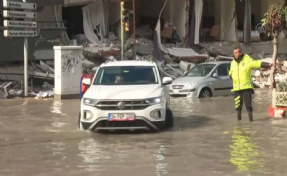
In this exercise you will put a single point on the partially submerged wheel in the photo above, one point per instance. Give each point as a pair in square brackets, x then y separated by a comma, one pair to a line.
[205, 93]
[168, 119]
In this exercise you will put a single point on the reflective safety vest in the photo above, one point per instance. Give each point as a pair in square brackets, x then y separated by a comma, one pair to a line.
[241, 73]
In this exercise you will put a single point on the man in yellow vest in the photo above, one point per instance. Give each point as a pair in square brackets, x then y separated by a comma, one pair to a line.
[241, 75]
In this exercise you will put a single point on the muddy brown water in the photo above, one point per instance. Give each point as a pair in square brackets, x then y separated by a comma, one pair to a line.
[40, 138]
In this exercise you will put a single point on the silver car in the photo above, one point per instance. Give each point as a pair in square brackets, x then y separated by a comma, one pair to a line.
[204, 80]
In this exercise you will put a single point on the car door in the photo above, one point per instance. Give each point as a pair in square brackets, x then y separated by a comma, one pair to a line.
[221, 84]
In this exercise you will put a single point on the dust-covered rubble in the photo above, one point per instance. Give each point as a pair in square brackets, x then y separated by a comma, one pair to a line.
[173, 59]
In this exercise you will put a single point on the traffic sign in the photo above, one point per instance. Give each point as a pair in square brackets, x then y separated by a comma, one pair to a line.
[19, 14]
[20, 24]
[17, 10]
[12, 33]
[19, 5]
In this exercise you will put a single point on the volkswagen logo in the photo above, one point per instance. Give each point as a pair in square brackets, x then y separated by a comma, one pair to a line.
[121, 105]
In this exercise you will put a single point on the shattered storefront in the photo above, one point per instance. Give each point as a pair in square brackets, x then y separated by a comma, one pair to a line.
[239, 20]
[160, 36]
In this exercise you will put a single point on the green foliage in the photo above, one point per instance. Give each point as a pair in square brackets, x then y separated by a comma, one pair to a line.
[274, 19]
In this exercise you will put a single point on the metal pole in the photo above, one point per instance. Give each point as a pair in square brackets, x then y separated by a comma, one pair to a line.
[25, 65]
[122, 31]
[134, 25]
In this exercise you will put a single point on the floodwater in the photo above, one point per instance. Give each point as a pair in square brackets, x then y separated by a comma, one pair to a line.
[40, 138]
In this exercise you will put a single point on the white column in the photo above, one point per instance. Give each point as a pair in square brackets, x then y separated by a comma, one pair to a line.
[198, 15]
[228, 30]
[68, 71]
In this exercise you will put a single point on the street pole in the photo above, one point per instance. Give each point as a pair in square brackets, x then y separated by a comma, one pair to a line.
[122, 31]
[25, 65]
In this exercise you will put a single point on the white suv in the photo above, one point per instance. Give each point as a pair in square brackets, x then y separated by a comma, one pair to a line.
[126, 95]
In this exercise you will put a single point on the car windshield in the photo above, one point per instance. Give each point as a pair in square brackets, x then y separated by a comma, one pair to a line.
[126, 75]
[200, 70]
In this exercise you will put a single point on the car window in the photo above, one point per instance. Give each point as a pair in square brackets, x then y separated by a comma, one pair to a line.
[200, 70]
[126, 75]
[222, 70]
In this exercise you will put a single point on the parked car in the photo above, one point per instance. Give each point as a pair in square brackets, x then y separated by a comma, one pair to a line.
[126, 95]
[204, 80]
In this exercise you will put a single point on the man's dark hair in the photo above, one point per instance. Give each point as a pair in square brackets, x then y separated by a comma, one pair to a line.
[238, 47]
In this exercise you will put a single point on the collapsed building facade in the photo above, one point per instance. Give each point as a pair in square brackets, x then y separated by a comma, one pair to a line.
[168, 31]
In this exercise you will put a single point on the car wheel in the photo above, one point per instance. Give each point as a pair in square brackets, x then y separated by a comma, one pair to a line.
[168, 119]
[205, 93]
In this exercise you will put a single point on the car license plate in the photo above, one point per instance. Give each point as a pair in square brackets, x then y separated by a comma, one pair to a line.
[176, 91]
[121, 116]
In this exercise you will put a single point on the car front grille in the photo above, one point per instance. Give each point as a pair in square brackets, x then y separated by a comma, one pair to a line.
[177, 86]
[135, 123]
[128, 105]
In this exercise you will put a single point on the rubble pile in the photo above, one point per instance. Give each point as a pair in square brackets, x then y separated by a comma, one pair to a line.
[173, 59]
[41, 78]
[14, 89]
[261, 77]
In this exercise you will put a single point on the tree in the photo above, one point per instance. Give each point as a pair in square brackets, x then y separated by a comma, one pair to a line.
[274, 22]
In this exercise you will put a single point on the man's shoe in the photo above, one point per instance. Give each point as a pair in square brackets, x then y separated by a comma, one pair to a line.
[239, 115]
[250, 115]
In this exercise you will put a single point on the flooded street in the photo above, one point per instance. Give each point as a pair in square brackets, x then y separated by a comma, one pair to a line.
[40, 138]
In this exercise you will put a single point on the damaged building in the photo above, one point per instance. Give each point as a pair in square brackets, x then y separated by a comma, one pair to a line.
[175, 33]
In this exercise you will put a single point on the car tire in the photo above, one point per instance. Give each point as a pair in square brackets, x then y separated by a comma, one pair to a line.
[168, 119]
[205, 93]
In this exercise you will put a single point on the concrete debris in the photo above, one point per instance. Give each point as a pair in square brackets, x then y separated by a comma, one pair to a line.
[176, 60]
[3, 89]
[92, 51]
[261, 77]
[14, 89]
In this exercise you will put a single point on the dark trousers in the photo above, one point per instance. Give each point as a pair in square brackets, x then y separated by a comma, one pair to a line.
[243, 96]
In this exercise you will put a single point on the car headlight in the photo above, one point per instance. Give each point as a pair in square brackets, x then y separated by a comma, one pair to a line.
[90, 101]
[156, 100]
[191, 85]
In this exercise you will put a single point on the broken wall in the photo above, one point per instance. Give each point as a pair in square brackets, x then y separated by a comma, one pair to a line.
[228, 30]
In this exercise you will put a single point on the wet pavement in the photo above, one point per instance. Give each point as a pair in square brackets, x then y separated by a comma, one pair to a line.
[40, 138]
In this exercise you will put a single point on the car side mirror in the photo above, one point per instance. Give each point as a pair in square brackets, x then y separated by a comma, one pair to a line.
[87, 81]
[167, 80]
[214, 75]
